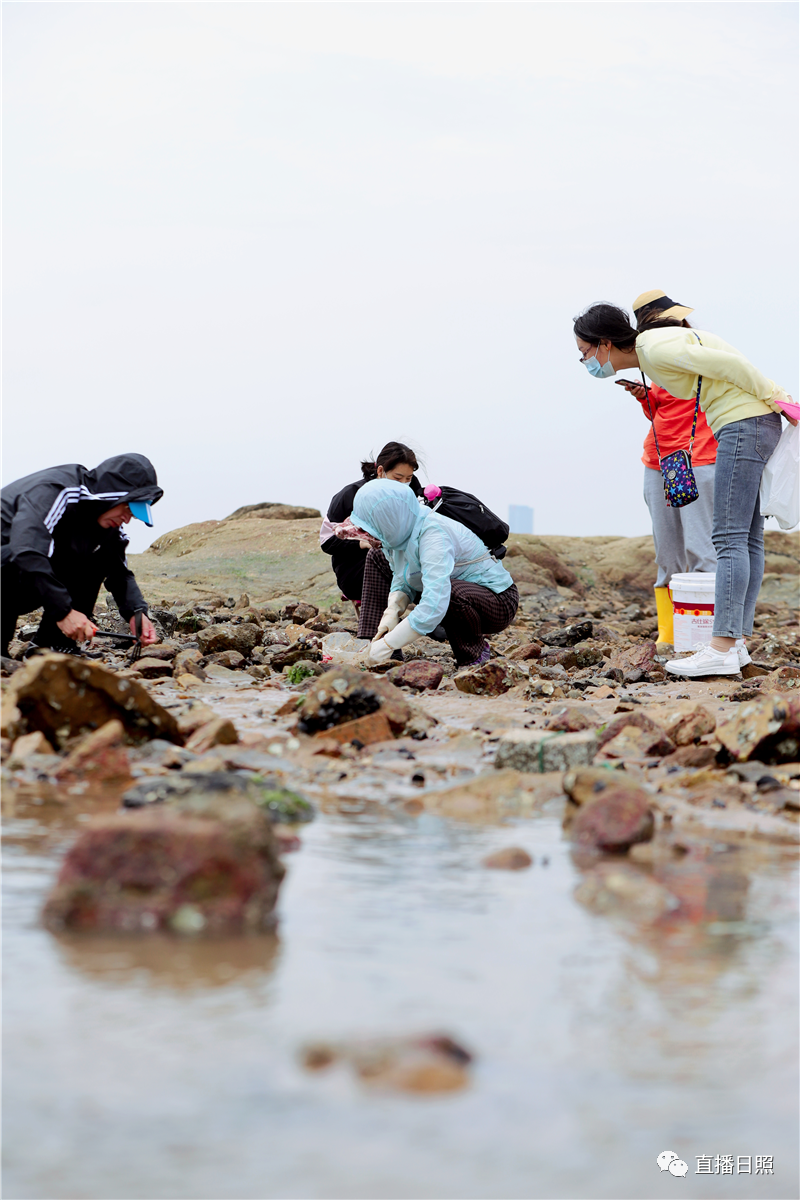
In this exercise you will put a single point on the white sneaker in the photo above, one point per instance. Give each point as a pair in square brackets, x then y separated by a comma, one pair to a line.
[741, 650]
[707, 661]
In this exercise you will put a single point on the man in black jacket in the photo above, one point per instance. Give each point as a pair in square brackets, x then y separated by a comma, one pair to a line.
[62, 538]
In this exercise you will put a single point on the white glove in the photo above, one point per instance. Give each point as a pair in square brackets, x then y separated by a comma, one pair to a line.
[403, 635]
[379, 652]
[398, 603]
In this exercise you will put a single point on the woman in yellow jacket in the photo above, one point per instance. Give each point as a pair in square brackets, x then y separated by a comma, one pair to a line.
[743, 408]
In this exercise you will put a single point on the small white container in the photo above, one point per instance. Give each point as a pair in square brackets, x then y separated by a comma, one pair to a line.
[693, 608]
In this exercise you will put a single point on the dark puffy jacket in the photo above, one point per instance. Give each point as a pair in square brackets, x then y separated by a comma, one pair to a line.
[57, 509]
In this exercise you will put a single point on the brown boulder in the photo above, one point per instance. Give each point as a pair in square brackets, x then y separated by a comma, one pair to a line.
[767, 728]
[99, 759]
[218, 732]
[231, 659]
[511, 858]
[690, 727]
[154, 668]
[211, 869]
[492, 678]
[366, 730]
[418, 674]
[658, 744]
[244, 638]
[64, 696]
[572, 719]
[188, 662]
[346, 693]
[615, 820]
[634, 658]
[633, 742]
[525, 653]
[585, 784]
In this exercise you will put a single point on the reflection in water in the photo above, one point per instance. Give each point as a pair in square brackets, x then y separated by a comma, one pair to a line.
[179, 964]
[159, 1066]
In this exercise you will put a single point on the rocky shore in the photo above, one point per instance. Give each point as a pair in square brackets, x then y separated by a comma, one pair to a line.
[185, 778]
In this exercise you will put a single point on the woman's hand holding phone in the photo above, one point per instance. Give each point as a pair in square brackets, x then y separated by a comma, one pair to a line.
[635, 389]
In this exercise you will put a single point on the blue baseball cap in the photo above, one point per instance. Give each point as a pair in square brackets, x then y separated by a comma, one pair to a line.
[141, 510]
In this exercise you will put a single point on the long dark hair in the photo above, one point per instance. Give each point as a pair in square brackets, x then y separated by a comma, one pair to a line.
[605, 323]
[392, 454]
[663, 323]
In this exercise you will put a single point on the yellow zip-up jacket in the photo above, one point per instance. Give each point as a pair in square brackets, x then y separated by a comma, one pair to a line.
[732, 388]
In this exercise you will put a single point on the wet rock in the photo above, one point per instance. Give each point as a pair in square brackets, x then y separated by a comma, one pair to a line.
[586, 784]
[63, 696]
[566, 658]
[188, 662]
[631, 658]
[294, 654]
[231, 659]
[363, 731]
[203, 869]
[258, 672]
[165, 653]
[194, 714]
[317, 625]
[191, 621]
[633, 742]
[346, 693]
[154, 668]
[692, 756]
[243, 638]
[540, 750]
[512, 858]
[690, 727]
[570, 635]
[492, 678]
[614, 820]
[767, 729]
[301, 613]
[218, 732]
[26, 746]
[100, 759]
[526, 652]
[418, 674]
[616, 889]
[427, 1064]
[657, 745]
[572, 718]
[588, 654]
[752, 670]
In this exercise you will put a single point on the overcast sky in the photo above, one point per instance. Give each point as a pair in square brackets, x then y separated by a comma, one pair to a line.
[257, 241]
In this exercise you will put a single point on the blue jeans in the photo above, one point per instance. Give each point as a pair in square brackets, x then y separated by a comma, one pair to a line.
[738, 533]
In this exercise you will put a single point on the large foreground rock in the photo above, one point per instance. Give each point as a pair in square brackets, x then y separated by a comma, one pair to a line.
[193, 869]
[767, 729]
[347, 693]
[64, 696]
[614, 821]
[540, 750]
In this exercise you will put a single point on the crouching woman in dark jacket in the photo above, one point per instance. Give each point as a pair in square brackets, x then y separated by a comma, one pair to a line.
[62, 538]
[349, 554]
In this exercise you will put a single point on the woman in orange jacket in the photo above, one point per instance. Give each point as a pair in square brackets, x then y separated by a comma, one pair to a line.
[682, 536]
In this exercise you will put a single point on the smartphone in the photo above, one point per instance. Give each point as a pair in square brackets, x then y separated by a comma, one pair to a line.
[628, 382]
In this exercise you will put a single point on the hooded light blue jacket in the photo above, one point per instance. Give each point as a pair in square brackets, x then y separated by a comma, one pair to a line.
[425, 550]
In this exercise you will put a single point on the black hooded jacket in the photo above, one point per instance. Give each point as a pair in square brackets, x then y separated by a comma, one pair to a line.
[54, 512]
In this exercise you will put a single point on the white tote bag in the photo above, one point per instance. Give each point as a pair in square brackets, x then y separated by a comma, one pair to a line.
[780, 482]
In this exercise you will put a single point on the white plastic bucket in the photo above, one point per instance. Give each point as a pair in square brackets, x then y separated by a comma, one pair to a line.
[693, 608]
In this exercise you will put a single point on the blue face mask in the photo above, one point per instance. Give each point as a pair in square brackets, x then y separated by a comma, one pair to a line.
[599, 370]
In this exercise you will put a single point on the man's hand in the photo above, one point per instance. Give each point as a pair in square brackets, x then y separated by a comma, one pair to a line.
[77, 626]
[149, 635]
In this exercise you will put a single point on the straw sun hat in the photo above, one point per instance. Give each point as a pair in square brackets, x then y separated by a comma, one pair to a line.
[656, 303]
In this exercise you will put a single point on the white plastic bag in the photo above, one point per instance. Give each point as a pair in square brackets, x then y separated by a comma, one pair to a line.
[346, 649]
[780, 482]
